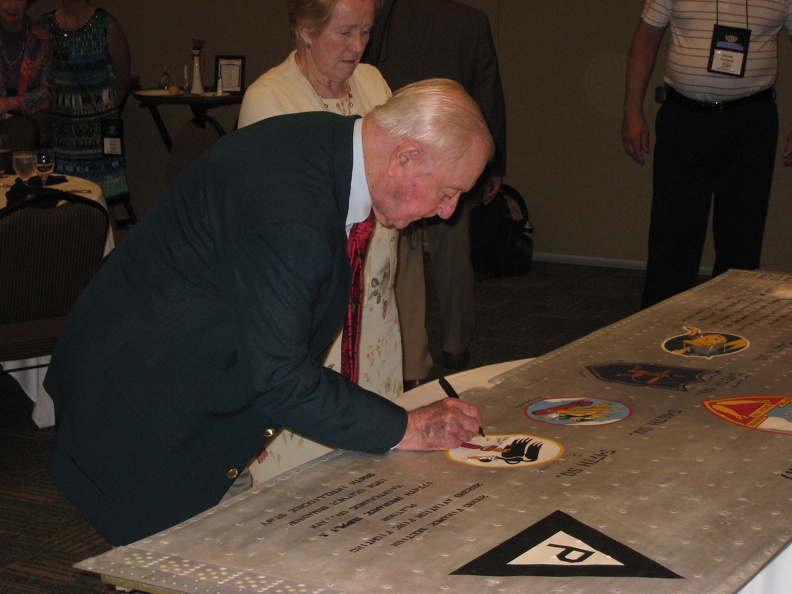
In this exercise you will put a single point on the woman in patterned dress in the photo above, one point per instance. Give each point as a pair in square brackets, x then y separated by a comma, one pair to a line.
[92, 70]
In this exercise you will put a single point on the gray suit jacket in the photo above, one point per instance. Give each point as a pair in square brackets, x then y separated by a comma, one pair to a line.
[417, 39]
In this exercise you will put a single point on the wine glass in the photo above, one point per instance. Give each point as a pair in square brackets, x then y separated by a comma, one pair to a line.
[45, 164]
[5, 158]
[24, 164]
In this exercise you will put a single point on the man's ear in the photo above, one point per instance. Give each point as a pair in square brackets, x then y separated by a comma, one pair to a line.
[405, 155]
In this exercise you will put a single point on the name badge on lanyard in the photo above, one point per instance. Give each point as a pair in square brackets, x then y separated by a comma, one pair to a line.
[113, 136]
[729, 50]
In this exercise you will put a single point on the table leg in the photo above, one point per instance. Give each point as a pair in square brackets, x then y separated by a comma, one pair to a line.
[161, 127]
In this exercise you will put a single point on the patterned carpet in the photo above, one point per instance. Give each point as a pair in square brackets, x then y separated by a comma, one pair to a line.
[42, 535]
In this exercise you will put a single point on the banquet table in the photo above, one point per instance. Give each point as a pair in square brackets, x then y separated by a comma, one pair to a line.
[198, 104]
[652, 455]
[31, 379]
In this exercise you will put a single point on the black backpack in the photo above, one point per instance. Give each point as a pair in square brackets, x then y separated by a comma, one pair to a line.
[501, 235]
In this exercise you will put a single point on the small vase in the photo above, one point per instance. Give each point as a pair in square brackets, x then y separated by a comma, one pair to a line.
[197, 78]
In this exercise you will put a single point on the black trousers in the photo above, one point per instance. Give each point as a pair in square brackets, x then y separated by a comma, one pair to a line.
[704, 157]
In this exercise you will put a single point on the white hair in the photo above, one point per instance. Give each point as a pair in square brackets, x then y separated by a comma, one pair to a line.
[438, 113]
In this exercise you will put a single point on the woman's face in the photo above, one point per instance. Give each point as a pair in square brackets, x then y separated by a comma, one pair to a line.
[338, 49]
[11, 13]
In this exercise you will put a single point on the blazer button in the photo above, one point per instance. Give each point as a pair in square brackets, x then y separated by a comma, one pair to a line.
[269, 432]
[233, 473]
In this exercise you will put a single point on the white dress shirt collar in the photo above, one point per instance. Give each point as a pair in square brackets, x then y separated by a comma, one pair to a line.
[359, 197]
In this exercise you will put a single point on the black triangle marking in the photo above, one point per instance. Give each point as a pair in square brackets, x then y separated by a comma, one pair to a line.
[595, 555]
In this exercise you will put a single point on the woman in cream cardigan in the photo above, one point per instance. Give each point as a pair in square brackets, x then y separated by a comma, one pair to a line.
[324, 74]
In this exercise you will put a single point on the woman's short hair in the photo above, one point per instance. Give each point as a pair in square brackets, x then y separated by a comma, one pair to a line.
[314, 15]
[438, 113]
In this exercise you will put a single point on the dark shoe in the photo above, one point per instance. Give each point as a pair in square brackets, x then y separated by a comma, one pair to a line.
[456, 360]
[410, 384]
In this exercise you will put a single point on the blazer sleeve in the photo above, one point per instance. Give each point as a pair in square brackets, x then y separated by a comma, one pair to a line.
[287, 290]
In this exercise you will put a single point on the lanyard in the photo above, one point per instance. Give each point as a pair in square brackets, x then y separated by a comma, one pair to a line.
[717, 12]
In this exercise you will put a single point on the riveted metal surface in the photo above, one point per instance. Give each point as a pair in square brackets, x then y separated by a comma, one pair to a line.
[686, 488]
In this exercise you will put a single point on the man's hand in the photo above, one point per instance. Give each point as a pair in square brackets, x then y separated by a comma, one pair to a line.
[635, 135]
[441, 425]
[788, 151]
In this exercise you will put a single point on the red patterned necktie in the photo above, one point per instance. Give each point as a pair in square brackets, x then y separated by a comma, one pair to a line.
[350, 339]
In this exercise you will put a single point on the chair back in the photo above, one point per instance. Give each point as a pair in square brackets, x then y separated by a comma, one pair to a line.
[189, 143]
[22, 130]
[48, 254]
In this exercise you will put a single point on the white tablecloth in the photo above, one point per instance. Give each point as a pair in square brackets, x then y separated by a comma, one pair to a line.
[31, 379]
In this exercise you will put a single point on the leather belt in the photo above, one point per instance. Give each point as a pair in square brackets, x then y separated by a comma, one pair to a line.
[675, 96]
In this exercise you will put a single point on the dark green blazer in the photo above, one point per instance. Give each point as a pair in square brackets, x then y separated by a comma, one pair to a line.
[207, 325]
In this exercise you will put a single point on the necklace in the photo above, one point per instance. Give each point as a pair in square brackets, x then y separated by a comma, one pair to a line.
[343, 108]
[62, 29]
[21, 52]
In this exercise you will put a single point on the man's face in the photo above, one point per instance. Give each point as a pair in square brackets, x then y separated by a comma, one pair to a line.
[419, 188]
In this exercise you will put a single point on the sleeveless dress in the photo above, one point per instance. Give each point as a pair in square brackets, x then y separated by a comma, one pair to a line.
[86, 95]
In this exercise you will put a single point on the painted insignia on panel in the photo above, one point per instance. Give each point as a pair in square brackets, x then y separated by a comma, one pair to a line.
[506, 451]
[646, 374]
[705, 344]
[764, 413]
[561, 546]
[578, 411]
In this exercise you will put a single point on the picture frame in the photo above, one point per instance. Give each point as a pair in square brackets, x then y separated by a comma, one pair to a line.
[232, 69]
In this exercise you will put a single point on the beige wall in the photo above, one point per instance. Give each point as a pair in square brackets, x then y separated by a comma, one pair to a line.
[562, 63]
